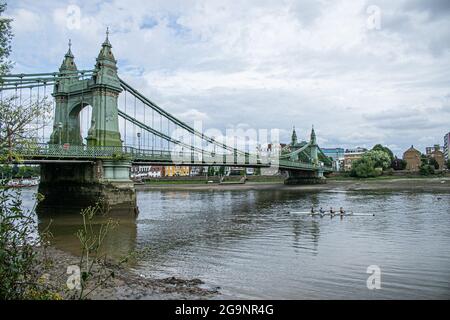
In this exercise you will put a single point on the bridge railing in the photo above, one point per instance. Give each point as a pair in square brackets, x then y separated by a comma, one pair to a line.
[56, 151]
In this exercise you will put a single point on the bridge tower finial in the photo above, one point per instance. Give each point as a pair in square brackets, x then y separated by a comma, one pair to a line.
[313, 136]
[294, 137]
[68, 63]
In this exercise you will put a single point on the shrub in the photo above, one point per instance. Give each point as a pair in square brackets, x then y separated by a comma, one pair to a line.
[426, 170]
[20, 268]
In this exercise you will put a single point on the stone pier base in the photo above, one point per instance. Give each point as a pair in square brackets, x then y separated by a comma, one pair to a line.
[76, 186]
[304, 177]
[305, 181]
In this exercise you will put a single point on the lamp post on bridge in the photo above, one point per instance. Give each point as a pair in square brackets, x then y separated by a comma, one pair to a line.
[60, 125]
[139, 141]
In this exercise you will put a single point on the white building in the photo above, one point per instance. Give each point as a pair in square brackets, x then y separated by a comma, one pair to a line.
[447, 146]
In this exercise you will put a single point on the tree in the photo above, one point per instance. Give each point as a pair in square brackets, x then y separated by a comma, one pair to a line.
[18, 125]
[371, 164]
[432, 162]
[379, 147]
[364, 168]
[380, 159]
[426, 169]
[5, 41]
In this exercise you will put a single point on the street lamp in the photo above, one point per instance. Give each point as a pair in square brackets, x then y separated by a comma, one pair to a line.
[60, 125]
[139, 140]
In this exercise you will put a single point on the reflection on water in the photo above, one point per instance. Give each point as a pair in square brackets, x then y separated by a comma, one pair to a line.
[247, 243]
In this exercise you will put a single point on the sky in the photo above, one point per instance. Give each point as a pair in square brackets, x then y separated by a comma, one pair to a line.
[362, 72]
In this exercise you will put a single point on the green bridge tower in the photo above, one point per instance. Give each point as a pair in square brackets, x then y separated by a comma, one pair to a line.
[83, 184]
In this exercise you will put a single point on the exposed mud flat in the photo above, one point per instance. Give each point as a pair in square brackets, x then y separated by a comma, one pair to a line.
[395, 184]
[123, 286]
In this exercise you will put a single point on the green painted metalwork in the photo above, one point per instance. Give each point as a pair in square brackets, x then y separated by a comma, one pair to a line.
[74, 89]
[101, 91]
[49, 151]
[176, 121]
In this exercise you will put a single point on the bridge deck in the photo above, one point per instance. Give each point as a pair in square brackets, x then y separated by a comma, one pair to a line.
[47, 152]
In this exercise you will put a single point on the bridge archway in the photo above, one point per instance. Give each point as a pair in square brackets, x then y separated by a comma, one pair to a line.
[74, 93]
[83, 123]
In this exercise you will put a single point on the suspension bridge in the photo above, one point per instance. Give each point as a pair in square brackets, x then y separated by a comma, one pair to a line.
[122, 127]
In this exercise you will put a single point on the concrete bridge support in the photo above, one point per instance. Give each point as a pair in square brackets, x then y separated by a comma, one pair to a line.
[296, 177]
[79, 185]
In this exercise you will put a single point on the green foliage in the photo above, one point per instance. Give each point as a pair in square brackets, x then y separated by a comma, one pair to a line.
[119, 156]
[91, 259]
[5, 41]
[379, 147]
[379, 158]
[371, 164]
[8, 172]
[20, 268]
[432, 162]
[426, 170]
[428, 165]
[364, 168]
[211, 171]
[448, 164]
[15, 120]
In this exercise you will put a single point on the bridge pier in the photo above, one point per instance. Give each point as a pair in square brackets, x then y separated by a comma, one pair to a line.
[79, 185]
[296, 177]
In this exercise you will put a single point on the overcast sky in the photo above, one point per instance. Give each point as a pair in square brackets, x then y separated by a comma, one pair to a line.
[363, 72]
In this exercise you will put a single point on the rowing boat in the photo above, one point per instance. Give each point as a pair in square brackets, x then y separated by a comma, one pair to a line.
[353, 214]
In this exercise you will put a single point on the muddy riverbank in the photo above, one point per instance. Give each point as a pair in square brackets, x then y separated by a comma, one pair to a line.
[394, 184]
[124, 285]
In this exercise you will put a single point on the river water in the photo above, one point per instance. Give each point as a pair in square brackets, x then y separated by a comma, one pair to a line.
[248, 244]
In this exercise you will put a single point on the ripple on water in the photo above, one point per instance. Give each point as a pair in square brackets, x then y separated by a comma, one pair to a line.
[247, 243]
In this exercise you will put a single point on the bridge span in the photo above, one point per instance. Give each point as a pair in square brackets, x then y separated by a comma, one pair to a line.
[82, 171]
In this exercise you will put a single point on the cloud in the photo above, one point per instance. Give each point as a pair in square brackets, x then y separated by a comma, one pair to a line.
[268, 64]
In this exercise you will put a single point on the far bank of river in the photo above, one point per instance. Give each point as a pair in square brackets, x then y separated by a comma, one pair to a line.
[419, 184]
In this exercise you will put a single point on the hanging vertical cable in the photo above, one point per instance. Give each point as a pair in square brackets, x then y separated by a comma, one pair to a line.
[43, 115]
[134, 126]
[37, 119]
[124, 121]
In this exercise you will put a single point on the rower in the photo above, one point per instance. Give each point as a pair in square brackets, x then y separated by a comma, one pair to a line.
[322, 212]
[312, 209]
[332, 212]
[341, 212]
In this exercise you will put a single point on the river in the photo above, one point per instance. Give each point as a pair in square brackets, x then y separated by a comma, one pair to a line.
[247, 243]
